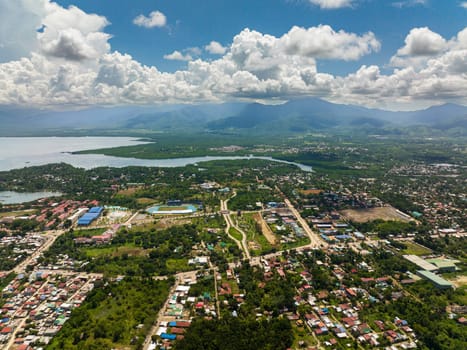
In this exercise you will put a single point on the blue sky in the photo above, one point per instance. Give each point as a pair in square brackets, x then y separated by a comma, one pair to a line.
[377, 53]
[195, 25]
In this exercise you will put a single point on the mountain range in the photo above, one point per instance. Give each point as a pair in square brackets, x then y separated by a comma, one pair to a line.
[295, 116]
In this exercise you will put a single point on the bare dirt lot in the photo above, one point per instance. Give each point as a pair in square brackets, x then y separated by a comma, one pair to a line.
[129, 191]
[311, 191]
[265, 229]
[459, 281]
[384, 213]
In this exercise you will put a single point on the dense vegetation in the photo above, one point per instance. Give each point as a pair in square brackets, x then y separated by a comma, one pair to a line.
[114, 315]
[136, 252]
[237, 334]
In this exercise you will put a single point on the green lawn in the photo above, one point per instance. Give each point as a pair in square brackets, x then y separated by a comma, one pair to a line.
[17, 213]
[176, 265]
[235, 234]
[416, 249]
[249, 224]
[129, 249]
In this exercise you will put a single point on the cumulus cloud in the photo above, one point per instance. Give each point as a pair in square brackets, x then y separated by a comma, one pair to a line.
[71, 63]
[215, 48]
[155, 19]
[420, 45]
[324, 42]
[332, 4]
[178, 56]
[67, 33]
[72, 34]
[19, 21]
[422, 42]
[463, 4]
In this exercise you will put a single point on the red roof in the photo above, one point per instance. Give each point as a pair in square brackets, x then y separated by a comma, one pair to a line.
[175, 330]
[183, 324]
[6, 330]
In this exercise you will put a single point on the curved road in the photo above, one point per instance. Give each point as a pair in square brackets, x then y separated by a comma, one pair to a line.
[228, 219]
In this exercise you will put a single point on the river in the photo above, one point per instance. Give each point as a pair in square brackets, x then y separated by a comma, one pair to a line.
[19, 152]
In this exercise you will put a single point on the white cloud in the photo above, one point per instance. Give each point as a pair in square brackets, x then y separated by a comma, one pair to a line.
[420, 45]
[463, 4]
[19, 21]
[155, 19]
[178, 56]
[422, 42]
[195, 51]
[71, 63]
[73, 34]
[215, 48]
[332, 4]
[324, 42]
[410, 3]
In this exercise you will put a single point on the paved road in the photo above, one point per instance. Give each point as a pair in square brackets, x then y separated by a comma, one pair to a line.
[315, 240]
[51, 237]
[228, 220]
[179, 279]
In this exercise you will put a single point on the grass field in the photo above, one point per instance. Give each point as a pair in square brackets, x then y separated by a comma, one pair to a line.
[169, 208]
[257, 239]
[145, 200]
[17, 213]
[301, 334]
[89, 233]
[416, 249]
[235, 234]
[176, 265]
[115, 251]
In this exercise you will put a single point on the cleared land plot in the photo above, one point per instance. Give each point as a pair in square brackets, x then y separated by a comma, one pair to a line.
[145, 200]
[169, 222]
[383, 213]
[311, 191]
[129, 191]
[265, 229]
[459, 281]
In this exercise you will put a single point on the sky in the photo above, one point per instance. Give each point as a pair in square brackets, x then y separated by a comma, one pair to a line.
[390, 54]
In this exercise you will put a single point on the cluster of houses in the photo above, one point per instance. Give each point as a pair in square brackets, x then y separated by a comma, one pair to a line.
[37, 306]
[56, 213]
[334, 316]
[332, 229]
[23, 246]
[433, 193]
[51, 215]
[283, 222]
[175, 318]
[104, 238]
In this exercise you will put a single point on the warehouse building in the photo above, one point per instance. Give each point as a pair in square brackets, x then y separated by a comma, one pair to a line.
[93, 214]
[424, 265]
[439, 282]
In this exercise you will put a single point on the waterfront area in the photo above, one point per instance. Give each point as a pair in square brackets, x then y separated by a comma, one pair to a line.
[244, 242]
